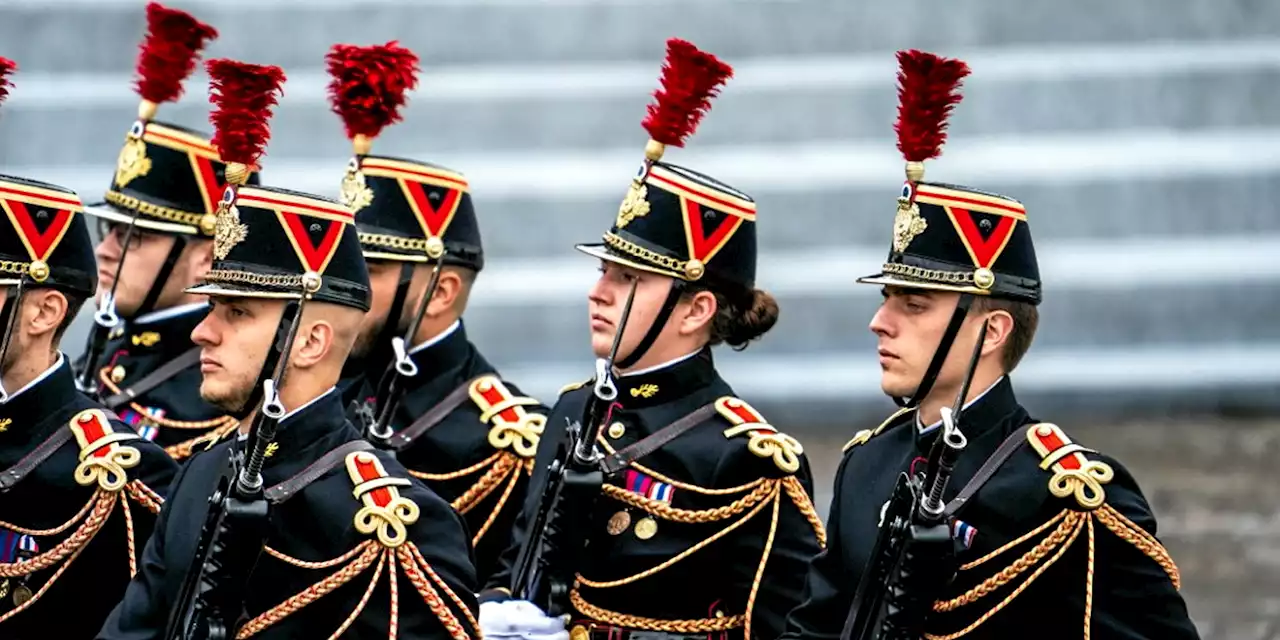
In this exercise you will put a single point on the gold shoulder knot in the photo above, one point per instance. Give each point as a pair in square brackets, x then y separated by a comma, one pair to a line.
[861, 437]
[1073, 474]
[103, 459]
[765, 440]
[385, 511]
[573, 385]
[512, 425]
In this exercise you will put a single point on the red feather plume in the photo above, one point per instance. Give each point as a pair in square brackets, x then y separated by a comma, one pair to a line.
[690, 78]
[243, 95]
[169, 51]
[368, 85]
[7, 67]
[928, 88]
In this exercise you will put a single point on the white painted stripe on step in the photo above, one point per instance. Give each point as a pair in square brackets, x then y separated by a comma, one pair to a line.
[837, 165]
[856, 375]
[1081, 264]
[636, 79]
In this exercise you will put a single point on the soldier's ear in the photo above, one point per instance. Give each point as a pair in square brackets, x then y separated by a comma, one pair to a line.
[314, 341]
[43, 311]
[700, 313]
[999, 328]
[446, 293]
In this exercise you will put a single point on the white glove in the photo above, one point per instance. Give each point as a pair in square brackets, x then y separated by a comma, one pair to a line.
[519, 619]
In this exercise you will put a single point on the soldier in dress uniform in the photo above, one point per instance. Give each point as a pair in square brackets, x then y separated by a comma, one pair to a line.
[79, 490]
[156, 239]
[446, 412]
[1051, 539]
[348, 525]
[705, 522]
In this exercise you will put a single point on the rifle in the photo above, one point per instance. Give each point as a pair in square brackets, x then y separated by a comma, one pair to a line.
[913, 556]
[557, 535]
[210, 603]
[388, 400]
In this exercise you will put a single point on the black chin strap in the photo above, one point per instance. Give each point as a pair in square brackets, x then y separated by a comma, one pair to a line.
[659, 321]
[9, 320]
[939, 356]
[391, 328]
[162, 276]
[281, 340]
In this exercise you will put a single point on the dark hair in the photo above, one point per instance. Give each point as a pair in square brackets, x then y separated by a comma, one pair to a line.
[1026, 317]
[738, 322]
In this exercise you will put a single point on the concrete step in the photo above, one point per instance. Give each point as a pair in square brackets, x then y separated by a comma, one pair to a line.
[82, 119]
[453, 32]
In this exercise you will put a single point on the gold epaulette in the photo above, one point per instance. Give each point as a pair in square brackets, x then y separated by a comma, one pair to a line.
[512, 426]
[573, 385]
[385, 513]
[103, 459]
[1073, 474]
[1076, 476]
[765, 440]
[863, 436]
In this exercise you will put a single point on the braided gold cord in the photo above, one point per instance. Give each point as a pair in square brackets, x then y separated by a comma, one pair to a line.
[104, 504]
[1070, 525]
[45, 587]
[1076, 519]
[682, 485]
[425, 566]
[128, 531]
[312, 593]
[1088, 587]
[1021, 539]
[486, 485]
[184, 449]
[145, 496]
[1138, 537]
[364, 599]
[104, 376]
[764, 560]
[667, 512]
[429, 593]
[454, 475]
[699, 625]
[393, 623]
[323, 564]
[497, 508]
[802, 502]
[680, 556]
[93, 501]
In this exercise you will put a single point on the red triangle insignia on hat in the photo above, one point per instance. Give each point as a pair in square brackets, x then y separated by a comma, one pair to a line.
[315, 239]
[211, 187]
[434, 220]
[704, 245]
[39, 243]
[984, 250]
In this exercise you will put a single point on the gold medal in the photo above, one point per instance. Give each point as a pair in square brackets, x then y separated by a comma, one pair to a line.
[646, 528]
[578, 632]
[21, 595]
[618, 523]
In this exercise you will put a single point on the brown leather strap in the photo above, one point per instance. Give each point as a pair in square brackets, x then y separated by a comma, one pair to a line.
[622, 459]
[154, 379]
[13, 475]
[989, 468]
[401, 440]
[289, 488]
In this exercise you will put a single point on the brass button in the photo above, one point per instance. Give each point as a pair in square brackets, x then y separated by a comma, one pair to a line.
[578, 632]
[617, 430]
[117, 374]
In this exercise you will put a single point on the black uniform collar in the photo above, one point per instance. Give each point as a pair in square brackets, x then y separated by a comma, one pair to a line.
[659, 386]
[989, 411]
[166, 335]
[312, 426]
[44, 398]
[443, 356]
